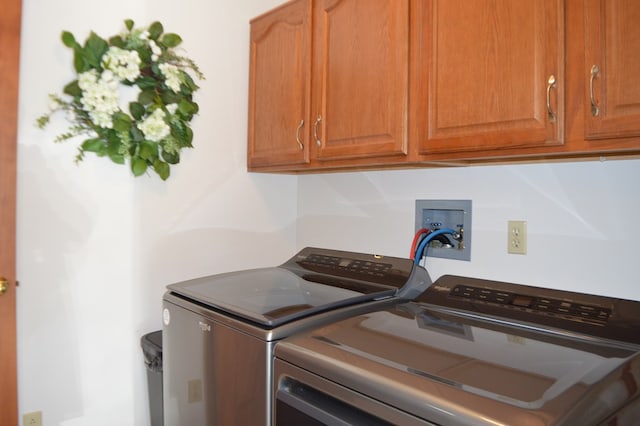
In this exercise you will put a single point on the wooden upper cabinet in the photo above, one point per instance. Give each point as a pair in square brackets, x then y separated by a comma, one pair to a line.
[612, 68]
[279, 86]
[361, 84]
[360, 78]
[335, 103]
[490, 74]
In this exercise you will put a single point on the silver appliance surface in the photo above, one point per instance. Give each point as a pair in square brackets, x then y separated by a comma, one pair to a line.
[313, 281]
[219, 331]
[468, 352]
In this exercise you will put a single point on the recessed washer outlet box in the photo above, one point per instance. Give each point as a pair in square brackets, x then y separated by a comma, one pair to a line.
[454, 214]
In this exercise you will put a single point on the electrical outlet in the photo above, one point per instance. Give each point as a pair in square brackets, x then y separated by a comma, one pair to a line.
[517, 237]
[32, 419]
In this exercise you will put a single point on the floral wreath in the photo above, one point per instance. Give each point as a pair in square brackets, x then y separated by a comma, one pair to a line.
[154, 128]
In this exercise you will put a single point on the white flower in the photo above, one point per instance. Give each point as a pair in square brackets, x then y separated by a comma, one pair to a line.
[156, 51]
[154, 127]
[87, 79]
[125, 64]
[172, 108]
[172, 76]
[102, 119]
[107, 76]
[99, 97]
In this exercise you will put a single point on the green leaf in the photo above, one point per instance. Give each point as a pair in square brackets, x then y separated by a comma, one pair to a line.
[72, 89]
[155, 30]
[121, 122]
[147, 96]
[171, 158]
[138, 166]
[169, 97]
[136, 134]
[116, 158]
[79, 62]
[146, 83]
[191, 85]
[177, 129]
[93, 50]
[137, 110]
[68, 39]
[113, 150]
[184, 140]
[188, 137]
[133, 148]
[117, 41]
[129, 24]
[187, 108]
[93, 145]
[162, 169]
[182, 133]
[148, 150]
[145, 54]
[171, 40]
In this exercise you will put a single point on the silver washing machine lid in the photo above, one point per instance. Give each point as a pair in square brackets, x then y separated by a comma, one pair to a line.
[315, 280]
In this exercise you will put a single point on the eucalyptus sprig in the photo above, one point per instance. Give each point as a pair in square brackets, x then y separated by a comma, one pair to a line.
[149, 132]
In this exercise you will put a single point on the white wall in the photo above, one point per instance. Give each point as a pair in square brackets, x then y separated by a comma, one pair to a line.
[582, 232]
[96, 247]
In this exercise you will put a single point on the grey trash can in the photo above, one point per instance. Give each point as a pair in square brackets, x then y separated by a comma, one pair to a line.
[152, 349]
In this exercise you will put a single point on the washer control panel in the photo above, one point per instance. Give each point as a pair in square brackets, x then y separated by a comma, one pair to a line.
[370, 268]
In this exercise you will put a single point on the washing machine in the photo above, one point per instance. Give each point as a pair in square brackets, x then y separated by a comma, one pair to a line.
[220, 331]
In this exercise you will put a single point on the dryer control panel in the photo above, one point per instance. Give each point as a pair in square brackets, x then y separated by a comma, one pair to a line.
[563, 311]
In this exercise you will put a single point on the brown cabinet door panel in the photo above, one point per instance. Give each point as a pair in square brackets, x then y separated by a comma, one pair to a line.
[279, 86]
[612, 50]
[360, 78]
[487, 64]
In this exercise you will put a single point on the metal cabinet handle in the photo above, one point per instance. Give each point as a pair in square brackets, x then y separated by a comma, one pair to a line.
[4, 285]
[300, 126]
[315, 130]
[595, 109]
[551, 84]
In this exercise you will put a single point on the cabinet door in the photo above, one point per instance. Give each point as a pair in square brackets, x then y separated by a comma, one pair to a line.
[279, 86]
[612, 68]
[360, 92]
[486, 67]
